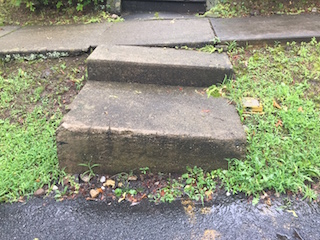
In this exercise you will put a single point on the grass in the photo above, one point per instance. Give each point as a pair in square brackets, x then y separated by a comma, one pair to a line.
[283, 143]
[33, 95]
[240, 8]
[12, 15]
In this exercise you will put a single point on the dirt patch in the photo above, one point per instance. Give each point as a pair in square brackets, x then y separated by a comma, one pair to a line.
[52, 83]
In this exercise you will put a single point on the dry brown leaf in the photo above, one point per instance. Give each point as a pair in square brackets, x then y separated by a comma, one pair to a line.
[110, 183]
[279, 123]
[276, 105]
[132, 178]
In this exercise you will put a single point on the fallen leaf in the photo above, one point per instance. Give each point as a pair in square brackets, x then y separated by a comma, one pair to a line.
[120, 184]
[162, 193]
[293, 213]
[210, 234]
[94, 193]
[110, 183]
[276, 105]
[123, 197]
[300, 109]
[132, 178]
[279, 123]
[134, 203]
[100, 190]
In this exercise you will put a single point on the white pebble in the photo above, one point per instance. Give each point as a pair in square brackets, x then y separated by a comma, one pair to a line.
[228, 194]
[102, 179]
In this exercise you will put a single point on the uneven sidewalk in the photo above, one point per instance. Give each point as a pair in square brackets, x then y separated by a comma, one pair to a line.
[159, 32]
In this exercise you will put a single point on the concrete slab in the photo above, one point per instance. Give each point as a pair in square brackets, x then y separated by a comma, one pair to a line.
[164, 66]
[127, 126]
[69, 38]
[176, 32]
[268, 29]
[7, 30]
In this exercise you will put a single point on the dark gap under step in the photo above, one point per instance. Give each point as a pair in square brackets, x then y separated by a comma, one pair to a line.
[177, 6]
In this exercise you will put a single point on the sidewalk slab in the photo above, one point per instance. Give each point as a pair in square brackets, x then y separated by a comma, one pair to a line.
[38, 39]
[257, 30]
[164, 66]
[7, 29]
[175, 32]
[127, 126]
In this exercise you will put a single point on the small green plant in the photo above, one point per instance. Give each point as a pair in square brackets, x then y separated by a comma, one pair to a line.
[171, 192]
[60, 194]
[90, 167]
[144, 170]
[199, 184]
[231, 46]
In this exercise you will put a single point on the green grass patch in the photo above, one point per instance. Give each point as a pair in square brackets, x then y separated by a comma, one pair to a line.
[33, 95]
[240, 8]
[11, 14]
[283, 151]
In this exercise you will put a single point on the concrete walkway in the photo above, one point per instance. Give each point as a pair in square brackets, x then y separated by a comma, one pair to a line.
[169, 31]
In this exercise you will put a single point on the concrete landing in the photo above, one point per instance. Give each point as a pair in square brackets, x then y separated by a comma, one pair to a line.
[174, 32]
[163, 66]
[127, 126]
[281, 28]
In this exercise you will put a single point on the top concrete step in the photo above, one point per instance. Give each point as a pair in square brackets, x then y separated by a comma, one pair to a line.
[256, 30]
[160, 33]
[164, 66]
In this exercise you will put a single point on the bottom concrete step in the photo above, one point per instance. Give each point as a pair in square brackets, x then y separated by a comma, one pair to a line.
[125, 126]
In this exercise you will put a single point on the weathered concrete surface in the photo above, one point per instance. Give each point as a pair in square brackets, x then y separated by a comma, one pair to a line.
[7, 29]
[127, 126]
[175, 32]
[164, 66]
[69, 38]
[268, 29]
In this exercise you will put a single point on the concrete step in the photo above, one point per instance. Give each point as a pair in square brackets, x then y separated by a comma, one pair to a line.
[192, 32]
[125, 126]
[163, 66]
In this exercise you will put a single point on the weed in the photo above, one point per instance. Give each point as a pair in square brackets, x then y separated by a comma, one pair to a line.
[144, 170]
[60, 194]
[90, 167]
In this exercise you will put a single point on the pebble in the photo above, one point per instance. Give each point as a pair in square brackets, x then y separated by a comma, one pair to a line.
[228, 194]
[102, 179]
[114, 16]
[103, 188]
[94, 193]
[54, 188]
[39, 192]
[314, 10]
